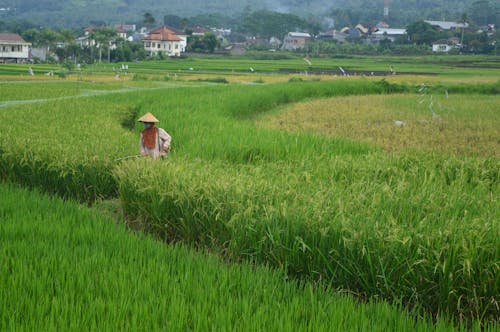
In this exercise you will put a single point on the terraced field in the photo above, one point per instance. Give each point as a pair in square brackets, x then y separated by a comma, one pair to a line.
[376, 189]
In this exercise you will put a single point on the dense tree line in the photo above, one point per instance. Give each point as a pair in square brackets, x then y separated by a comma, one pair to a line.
[227, 12]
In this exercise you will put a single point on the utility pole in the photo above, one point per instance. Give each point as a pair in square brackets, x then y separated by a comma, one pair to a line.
[386, 9]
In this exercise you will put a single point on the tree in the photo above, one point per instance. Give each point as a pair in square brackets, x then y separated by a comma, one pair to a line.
[48, 37]
[421, 32]
[268, 24]
[31, 36]
[482, 13]
[207, 43]
[148, 20]
[173, 21]
[103, 38]
[210, 41]
[66, 35]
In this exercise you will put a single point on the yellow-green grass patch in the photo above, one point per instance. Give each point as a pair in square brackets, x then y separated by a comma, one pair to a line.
[455, 124]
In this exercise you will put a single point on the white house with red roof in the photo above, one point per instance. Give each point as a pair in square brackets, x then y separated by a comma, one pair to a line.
[13, 48]
[166, 40]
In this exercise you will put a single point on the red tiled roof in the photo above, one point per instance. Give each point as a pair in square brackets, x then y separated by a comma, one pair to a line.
[163, 34]
[11, 37]
[173, 30]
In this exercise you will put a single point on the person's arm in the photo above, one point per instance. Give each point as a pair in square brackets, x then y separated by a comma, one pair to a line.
[165, 139]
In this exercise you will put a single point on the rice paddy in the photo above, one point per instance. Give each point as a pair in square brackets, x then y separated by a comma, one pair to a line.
[447, 123]
[64, 268]
[374, 188]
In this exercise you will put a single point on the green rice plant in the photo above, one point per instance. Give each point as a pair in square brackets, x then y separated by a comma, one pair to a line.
[63, 149]
[422, 231]
[63, 266]
[419, 230]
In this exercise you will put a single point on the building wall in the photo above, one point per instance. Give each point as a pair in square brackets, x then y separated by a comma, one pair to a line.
[169, 48]
[16, 51]
[441, 48]
[293, 43]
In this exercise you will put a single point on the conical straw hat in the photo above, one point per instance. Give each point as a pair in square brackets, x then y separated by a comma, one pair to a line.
[148, 117]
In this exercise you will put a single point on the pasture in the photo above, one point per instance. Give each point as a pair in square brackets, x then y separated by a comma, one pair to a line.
[311, 177]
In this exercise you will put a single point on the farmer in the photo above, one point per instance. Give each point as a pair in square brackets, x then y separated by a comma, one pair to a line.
[154, 142]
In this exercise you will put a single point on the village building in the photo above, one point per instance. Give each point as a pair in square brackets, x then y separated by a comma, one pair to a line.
[445, 45]
[85, 40]
[295, 40]
[334, 35]
[387, 33]
[445, 25]
[13, 48]
[362, 29]
[382, 25]
[121, 33]
[126, 27]
[165, 40]
[274, 43]
[198, 31]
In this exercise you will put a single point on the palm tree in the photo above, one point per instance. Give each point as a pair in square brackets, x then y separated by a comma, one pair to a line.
[102, 37]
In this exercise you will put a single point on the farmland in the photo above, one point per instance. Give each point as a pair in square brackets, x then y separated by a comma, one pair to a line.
[305, 174]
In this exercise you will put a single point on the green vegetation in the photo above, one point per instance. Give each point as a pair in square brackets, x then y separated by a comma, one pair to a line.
[416, 228]
[231, 13]
[484, 67]
[65, 268]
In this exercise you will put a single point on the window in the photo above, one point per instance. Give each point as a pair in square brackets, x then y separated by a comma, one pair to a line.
[159, 45]
[176, 46]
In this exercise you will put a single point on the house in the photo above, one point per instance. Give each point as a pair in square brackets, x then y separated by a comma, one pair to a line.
[295, 40]
[387, 33]
[333, 35]
[13, 48]
[198, 31]
[443, 45]
[363, 30]
[382, 25]
[274, 42]
[121, 33]
[445, 25]
[166, 40]
[86, 40]
[126, 27]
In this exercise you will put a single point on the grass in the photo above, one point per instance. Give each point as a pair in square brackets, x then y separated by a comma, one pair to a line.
[64, 267]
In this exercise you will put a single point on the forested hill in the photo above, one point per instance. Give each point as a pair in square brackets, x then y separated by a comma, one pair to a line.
[77, 13]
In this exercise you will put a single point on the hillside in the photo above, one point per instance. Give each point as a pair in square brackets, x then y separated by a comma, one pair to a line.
[338, 12]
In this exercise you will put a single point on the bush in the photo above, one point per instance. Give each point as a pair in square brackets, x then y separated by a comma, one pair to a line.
[295, 79]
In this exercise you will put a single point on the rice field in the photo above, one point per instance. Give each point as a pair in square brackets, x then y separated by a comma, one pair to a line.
[63, 267]
[312, 179]
[458, 124]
